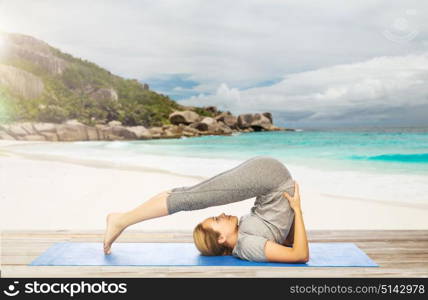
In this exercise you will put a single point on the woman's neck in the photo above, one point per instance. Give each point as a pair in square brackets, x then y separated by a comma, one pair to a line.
[232, 240]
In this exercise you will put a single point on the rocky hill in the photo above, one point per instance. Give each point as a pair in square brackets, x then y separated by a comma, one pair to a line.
[46, 94]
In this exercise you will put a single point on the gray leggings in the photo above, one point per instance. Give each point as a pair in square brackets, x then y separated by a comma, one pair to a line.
[254, 177]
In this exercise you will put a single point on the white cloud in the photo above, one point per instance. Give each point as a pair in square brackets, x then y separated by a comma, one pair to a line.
[239, 42]
[225, 98]
[378, 84]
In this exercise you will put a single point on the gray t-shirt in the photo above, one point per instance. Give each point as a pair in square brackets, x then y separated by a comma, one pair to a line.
[270, 218]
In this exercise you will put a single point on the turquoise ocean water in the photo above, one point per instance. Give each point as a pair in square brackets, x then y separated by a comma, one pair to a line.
[400, 150]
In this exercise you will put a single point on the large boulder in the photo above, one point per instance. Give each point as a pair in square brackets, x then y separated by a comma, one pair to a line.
[173, 131]
[50, 136]
[183, 117]
[28, 127]
[92, 133]
[5, 136]
[117, 132]
[209, 121]
[15, 130]
[47, 130]
[101, 131]
[190, 131]
[222, 128]
[212, 123]
[244, 121]
[215, 127]
[124, 132]
[44, 127]
[141, 132]
[257, 122]
[228, 119]
[33, 137]
[110, 133]
[261, 122]
[268, 115]
[72, 130]
[199, 126]
[156, 132]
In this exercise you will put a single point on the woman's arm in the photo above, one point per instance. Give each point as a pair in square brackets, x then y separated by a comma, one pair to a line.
[300, 239]
[289, 241]
[300, 251]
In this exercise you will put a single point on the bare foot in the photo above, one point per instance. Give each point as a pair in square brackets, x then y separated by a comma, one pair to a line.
[113, 230]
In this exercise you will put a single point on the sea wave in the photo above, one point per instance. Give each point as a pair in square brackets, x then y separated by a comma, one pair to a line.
[117, 144]
[395, 157]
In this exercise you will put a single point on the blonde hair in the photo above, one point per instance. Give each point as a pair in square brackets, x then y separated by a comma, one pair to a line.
[206, 240]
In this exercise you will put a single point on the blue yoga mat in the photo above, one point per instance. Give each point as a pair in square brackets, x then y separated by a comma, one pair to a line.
[186, 254]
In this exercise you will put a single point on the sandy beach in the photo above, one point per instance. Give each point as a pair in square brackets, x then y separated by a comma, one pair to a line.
[49, 194]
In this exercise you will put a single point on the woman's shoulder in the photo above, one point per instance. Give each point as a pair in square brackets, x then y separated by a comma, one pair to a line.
[254, 225]
[250, 247]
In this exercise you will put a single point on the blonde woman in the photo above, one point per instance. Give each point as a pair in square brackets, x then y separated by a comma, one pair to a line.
[273, 231]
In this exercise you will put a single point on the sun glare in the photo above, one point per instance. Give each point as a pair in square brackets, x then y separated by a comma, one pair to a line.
[2, 43]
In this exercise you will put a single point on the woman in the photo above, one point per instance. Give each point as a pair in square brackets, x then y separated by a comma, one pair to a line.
[265, 234]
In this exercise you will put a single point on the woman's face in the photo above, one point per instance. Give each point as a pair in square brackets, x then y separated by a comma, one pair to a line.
[226, 225]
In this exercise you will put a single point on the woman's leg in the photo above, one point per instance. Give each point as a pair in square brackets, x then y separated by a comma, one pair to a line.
[256, 176]
[117, 222]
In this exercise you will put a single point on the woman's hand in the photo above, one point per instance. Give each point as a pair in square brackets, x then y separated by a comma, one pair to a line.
[295, 200]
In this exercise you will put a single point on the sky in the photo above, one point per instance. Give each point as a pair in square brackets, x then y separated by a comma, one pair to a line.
[310, 63]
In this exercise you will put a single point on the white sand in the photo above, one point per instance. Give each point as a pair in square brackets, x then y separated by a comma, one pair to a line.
[54, 195]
